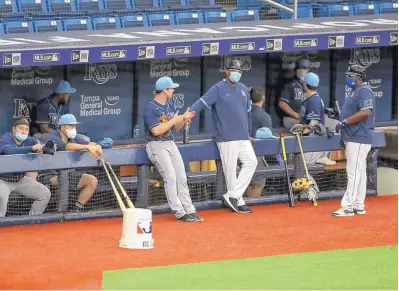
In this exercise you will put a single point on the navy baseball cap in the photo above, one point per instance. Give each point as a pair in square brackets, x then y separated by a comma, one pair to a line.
[165, 83]
[311, 79]
[68, 119]
[64, 87]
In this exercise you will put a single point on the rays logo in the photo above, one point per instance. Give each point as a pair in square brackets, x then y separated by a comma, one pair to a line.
[21, 108]
[365, 57]
[144, 227]
[54, 118]
[246, 62]
[100, 74]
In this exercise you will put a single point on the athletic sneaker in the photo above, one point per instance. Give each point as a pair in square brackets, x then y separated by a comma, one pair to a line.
[342, 212]
[231, 203]
[358, 211]
[187, 218]
[244, 208]
[198, 218]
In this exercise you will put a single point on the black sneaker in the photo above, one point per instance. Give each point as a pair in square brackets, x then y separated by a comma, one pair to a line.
[187, 218]
[231, 203]
[244, 208]
[198, 218]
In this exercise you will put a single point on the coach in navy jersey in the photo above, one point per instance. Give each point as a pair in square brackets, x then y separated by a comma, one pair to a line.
[356, 126]
[231, 106]
[51, 108]
[18, 142]
[293, 95]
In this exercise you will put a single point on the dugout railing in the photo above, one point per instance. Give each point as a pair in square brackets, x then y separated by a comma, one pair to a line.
[206, 186]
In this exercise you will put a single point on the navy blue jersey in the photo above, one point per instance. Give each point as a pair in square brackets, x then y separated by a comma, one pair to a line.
[7, 140]
[61, 145]
[259, 119]
[312, 109]
[230, 105]
[293, 94]
[48, 113]
[154, 114]
[361, 99]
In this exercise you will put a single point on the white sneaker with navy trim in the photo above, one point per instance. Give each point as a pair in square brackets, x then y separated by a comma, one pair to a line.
[359, 211]
[342, 212]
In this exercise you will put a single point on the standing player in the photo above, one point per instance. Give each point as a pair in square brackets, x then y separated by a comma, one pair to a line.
[51, 108]
[356, 126]
[293, 95]
[14, 143]
[162, 151]
[312, 113]
[230, 105]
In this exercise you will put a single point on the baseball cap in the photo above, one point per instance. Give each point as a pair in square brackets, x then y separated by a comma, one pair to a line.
[264, 133]
[165, 83]
[64, 87]
[68, 119]
[21, 120]
[311, 79]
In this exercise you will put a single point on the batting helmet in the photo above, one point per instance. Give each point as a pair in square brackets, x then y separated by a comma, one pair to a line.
[302, 64]
[234, 65]
[357, 70]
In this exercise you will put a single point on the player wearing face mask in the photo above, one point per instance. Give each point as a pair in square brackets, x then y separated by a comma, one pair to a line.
[231, 106]
[67, 140]
[293, 95]
[14, 143]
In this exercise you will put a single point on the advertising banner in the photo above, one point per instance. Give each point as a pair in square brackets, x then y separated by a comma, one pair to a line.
[103, 101]
[254, 75]
[184, 71]
[379, 66]
[21, 88]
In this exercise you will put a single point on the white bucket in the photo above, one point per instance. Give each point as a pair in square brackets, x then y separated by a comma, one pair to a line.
[137, 229]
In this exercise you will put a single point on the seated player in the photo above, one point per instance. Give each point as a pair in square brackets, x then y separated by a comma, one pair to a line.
[312, 113]
[18, 142]
[66, 139]
[51, 108]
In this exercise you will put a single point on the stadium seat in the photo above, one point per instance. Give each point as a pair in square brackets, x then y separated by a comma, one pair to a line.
[161, 19]
[145, 4]
[8, 6]
[47, 25]
[75, 24]
[61, 6]
[244, 15]
[118, 4]
[90, 5]
[216, 16]
[388, 7]
[100, 23]
[18, 27]
[134, 21]
[335, 10]
[363, 9]
[205, 5]
[28, 6]
[176, 5]
[189, 18]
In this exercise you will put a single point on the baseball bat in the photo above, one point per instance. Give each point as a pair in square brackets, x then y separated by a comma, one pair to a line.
[290, 192]
[186, 133]
[304, 162]
[124, 194]
[338, 109]
[120, 202]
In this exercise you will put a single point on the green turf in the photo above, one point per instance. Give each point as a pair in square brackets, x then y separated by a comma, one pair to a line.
[366, 269]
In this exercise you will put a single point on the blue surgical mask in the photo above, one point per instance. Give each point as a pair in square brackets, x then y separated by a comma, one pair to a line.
[235, 77]
[349, 82]
[21, 137]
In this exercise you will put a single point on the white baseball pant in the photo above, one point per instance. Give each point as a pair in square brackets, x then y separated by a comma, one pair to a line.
[230, 152]
[356, 167]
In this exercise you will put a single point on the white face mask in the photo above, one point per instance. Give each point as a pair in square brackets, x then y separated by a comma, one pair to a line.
[71, 133]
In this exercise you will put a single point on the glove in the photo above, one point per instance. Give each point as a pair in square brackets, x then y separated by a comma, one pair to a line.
[49, 147]
[320, 129]
[339, 125]
[301, 129]
[106, 143]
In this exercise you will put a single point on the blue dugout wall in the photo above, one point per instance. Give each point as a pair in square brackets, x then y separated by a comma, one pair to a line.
[110, 97]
